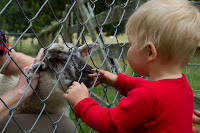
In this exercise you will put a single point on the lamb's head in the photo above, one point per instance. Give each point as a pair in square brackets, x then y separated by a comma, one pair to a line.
[67, 62]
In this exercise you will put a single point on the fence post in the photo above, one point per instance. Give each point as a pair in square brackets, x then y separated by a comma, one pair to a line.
[90, 27]
[66, 25]
[85, 14]
[78, 28]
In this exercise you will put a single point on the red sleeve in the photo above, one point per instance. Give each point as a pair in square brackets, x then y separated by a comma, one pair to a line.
[126, 83]
[129, 114]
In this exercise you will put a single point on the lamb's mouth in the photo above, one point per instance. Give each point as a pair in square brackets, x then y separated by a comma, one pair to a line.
[87, 81]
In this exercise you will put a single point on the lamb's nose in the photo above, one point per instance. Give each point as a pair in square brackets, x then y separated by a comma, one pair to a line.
[88, 69]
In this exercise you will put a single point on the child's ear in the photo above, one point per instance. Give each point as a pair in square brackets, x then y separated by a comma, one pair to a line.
[152, 51]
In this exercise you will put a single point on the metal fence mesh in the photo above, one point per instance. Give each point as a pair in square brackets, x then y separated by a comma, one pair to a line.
[91, 28]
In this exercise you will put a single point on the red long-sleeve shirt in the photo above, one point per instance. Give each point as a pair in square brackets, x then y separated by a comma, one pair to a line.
[164, 106]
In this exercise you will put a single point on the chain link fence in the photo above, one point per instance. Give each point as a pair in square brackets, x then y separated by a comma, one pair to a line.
[79, 25]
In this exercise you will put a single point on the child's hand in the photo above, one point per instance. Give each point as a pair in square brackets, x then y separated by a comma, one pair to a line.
[104, 77]
[76, 93]
[196, 120]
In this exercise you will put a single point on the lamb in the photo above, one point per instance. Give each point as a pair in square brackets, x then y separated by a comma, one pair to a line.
[57, 65]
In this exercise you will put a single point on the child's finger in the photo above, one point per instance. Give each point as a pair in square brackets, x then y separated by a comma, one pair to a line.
[75, 83]
[197, 113]
[196, 120]
[83, 85]
[92, 75]
[96, 83]
[65, 95]
[97, 70]
[196, 129]
[94, 70]
[93, 82]
[102, 72]
[70, 87]
[106, 77]
[67, 92]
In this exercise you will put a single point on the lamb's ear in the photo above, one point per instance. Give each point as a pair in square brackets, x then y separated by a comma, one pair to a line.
[84, 49]
[34, 66]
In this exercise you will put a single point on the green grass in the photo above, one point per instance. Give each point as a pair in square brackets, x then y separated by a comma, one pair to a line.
[26, 48]
[81, 126]
[193, 72]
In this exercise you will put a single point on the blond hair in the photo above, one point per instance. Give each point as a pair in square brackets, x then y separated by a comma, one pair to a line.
[172, 25]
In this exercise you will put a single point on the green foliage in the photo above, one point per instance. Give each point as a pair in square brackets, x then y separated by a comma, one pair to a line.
[13, 19]
[110, 29]
[13, 24]
[2, 18]
[82, 127]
